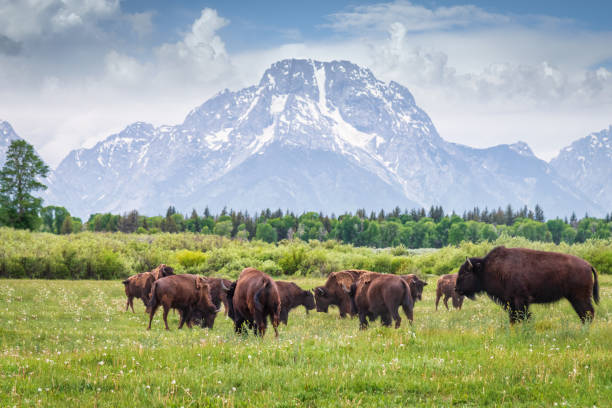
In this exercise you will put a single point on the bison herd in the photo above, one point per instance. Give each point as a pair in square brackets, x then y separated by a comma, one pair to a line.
[512, 277]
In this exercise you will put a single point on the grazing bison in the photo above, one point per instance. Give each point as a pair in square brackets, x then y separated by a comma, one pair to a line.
[139, 286]
[376, 294]
[218, 294]
[416, 286]
[446, 288]
[518, 277]
[255, 298]
[333, 294]
[292, 296]
[189, 294]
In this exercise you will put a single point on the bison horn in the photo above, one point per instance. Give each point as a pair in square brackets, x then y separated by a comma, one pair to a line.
[218, 310]
[225, 288]
[469, 262]
[347, 290]
[321, 291]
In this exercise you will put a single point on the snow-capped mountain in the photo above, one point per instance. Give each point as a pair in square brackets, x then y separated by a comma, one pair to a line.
[7, 134]
[310, 136]
[587, 163]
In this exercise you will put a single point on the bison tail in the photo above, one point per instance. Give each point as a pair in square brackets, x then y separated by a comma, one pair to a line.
[407, 303]
[152, 305]
[258, 305]
[595, 286]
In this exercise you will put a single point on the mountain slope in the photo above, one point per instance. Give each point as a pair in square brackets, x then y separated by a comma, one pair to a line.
[311, 135]
[587, 163]
[7, 134]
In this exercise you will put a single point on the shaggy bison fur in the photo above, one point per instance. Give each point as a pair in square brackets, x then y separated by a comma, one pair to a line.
[189, 294]
[255, 298]
[139, 286]
[518, 277]
[332, 293]
[446, 288]
[376, 294]
[292, 296]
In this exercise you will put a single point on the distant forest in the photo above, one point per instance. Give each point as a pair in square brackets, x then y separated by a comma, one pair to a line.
[416, 228]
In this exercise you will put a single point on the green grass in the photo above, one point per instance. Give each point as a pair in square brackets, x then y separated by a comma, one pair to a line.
[70, 343]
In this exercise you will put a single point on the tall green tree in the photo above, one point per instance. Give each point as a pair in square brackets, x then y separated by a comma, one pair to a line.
[18, 180]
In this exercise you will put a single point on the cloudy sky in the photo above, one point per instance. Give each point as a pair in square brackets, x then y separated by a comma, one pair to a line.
[74, 71]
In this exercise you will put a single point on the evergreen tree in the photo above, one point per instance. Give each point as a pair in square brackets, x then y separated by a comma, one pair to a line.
[66, 226]
[18, 179]
[539, 213]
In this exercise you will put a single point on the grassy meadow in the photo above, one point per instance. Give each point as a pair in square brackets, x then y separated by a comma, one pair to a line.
[71, 343]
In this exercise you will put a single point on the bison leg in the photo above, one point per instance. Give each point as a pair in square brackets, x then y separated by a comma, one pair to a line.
[151, 314]
[182, 316]
[238, 324]
[363, 322]
[385, 319]
[408, 311]
[284, 316]
[166, 310]
[519, 311]
[438, 296]
[584, 308]
[446, 301]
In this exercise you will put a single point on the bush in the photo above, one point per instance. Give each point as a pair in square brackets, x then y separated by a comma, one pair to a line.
[189, 259]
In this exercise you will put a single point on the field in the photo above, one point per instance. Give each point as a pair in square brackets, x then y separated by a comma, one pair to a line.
[71, 343]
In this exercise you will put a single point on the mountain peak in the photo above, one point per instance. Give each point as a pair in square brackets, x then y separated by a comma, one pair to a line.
[521, 148]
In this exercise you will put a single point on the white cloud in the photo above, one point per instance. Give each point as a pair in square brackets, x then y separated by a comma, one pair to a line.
[484, 78]
[27, 18]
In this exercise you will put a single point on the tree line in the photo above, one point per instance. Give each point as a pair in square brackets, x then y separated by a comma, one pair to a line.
[416, 228]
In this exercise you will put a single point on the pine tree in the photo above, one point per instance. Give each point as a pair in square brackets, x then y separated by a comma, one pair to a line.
[66, 226]
[18, 179]
[539, 213]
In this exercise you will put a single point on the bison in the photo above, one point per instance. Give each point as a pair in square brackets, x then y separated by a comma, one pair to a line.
[189, 294]
[376, 294]
[292, 296]
[255, 298]
[139, 286]
[517, 277]
[416, 286]
[333, 294]
[218, 292]
[446, 288]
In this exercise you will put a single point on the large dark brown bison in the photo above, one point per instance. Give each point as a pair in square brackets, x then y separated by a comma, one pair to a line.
[377, 294]
[218, 294]
[446, 288]
[255, 298]
[416, 286]
[292, 296]
[189, 294]
[333, 294]
[518, 277]
[139, 286]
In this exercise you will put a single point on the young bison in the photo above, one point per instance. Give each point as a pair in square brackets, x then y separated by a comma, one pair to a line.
[139, 286]
[292, 296]
[446, 288]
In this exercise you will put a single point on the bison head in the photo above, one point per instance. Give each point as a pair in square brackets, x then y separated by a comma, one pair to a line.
[167, 270]
[205, 307]
[416, 288]
[469, 279]
[308, 300]
[322, 299]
